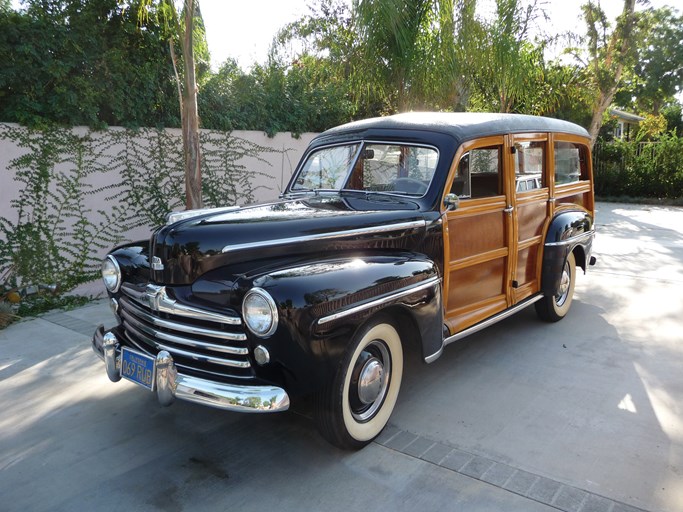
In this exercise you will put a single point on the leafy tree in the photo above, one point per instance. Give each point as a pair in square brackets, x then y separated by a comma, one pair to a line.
[75, 62]
[304, 96]
[608, 55]
[403, 43]
[673, 114]
[511, 70]
[657, 75]
[652, 126]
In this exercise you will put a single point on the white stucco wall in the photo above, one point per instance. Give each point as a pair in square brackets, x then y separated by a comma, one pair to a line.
[274, 174]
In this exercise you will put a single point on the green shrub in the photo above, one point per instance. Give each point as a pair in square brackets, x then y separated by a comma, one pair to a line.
[640, 169]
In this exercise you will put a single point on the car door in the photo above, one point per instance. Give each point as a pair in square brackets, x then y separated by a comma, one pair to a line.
[478, 235]
[531, 209]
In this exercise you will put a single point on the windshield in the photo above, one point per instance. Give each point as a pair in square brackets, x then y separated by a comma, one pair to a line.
[373, 167]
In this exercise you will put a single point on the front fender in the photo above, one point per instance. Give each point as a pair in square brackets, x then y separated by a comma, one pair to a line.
[322, 303]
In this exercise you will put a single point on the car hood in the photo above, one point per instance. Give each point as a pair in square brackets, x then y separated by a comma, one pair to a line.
[185, 250]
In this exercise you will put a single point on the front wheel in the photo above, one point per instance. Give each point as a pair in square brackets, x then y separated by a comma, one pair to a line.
[356, 405]
[555, 307]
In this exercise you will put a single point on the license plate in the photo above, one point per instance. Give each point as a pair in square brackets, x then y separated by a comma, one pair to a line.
[138, 368]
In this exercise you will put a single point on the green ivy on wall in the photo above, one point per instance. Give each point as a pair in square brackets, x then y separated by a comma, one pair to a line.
[55, 240]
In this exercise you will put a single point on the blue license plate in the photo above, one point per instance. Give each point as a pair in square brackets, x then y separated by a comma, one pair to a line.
[138, 368]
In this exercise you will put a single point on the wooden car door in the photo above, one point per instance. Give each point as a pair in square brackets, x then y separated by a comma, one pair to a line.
[531, 210]
[478, 235]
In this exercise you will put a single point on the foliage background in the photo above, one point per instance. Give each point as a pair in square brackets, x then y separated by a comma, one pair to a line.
[99, 63]
[82, 191]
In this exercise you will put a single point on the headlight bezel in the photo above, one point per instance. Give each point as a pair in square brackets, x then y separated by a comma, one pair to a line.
[268, 304]
[116, 273]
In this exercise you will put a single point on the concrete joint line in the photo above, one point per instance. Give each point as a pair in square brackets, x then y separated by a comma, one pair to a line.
[534, 487]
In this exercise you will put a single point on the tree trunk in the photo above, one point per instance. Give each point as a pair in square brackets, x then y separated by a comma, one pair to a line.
[614, 60]
[190, 117]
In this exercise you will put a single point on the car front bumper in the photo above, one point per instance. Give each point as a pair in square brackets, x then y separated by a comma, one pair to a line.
[169, 384]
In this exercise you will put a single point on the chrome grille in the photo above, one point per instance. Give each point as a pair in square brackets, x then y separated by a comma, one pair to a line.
[199, 340]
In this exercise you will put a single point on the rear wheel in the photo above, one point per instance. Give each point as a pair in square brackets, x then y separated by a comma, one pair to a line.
[356, 405]
[556, 307]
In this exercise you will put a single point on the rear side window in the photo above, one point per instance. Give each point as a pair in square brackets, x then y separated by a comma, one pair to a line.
[570, 162]
[529, 158]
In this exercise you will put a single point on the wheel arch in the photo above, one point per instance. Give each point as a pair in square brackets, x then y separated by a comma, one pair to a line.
[570, 231]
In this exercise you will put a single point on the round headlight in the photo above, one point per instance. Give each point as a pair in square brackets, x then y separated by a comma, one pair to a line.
[111, 274]
[260, 312]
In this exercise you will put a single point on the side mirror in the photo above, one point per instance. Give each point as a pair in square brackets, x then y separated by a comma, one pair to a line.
[451, 202]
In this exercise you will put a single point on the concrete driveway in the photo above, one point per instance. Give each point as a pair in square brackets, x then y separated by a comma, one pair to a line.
[584, 415]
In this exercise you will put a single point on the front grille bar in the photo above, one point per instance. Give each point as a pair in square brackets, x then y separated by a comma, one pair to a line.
[182, 340]
[163, 303]
[184, 353]
[175, 326]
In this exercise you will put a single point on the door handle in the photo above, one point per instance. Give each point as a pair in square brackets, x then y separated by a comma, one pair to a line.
[509, 209]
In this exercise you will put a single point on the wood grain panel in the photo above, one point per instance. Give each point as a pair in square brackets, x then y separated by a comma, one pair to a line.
[531, 218]
[476, 283]
[527, 263]
[465, 317]
[477, 234]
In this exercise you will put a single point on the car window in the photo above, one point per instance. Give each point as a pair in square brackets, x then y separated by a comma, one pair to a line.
[326, 168]
[393, 168]
[569, 162]
[529, 158]
[479, 173]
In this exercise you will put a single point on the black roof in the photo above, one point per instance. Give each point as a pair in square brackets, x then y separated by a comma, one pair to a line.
[460, 125]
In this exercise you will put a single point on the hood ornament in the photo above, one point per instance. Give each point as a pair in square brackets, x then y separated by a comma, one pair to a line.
[155, 296]
[156, 263]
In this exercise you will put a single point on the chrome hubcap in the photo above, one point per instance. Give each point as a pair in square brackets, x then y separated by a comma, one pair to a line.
[370, 381]
[563, 290]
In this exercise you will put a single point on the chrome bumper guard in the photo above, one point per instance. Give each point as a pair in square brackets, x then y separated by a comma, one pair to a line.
[170, 384]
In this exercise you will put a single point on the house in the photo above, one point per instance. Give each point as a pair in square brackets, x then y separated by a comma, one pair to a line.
[627, 123]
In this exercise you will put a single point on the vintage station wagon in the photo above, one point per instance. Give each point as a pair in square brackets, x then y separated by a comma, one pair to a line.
[409, 229]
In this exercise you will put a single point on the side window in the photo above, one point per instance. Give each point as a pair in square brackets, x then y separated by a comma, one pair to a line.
[529, 163]
[479, 174]
[570, 162]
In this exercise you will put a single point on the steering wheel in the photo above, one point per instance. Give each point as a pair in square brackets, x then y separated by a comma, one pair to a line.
[409, 186]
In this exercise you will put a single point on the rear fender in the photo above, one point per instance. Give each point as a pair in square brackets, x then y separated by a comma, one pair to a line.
[569, 231]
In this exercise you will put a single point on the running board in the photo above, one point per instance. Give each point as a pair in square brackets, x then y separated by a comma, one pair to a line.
[494, 319]
[483, 325]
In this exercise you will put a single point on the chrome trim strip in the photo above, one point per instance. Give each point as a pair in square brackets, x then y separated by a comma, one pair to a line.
[170, 385]
[193, 355]
[382, 300]
[204, 359]
[572, 240]
[494, 319]
[325, 236]
[155, 297]
[191, 329]
[225, 349]
[173, 217]
[436, 355]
